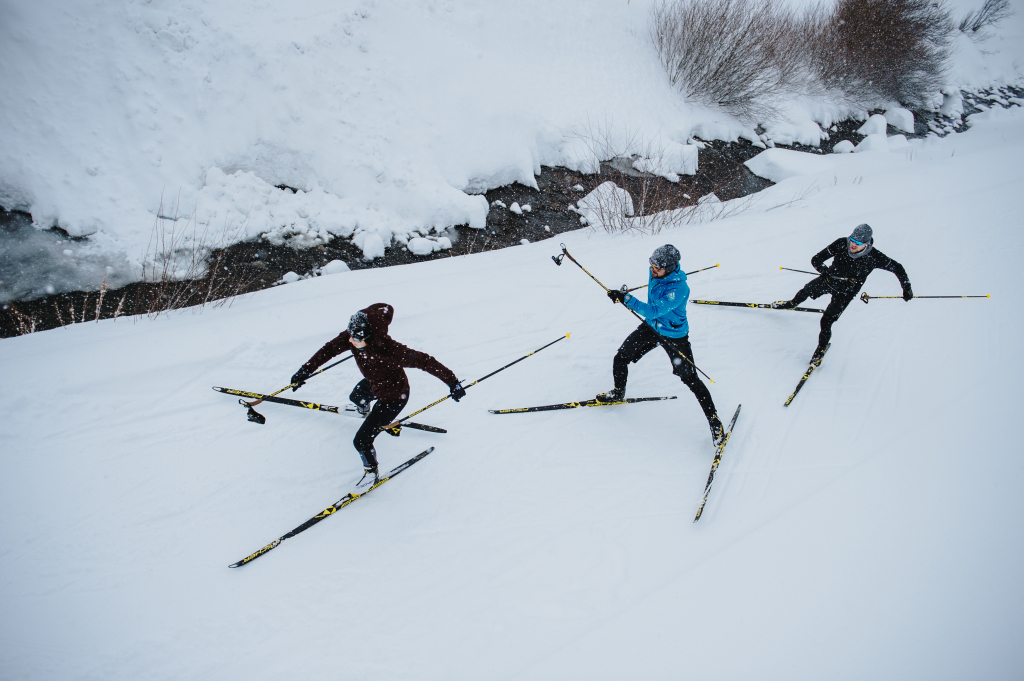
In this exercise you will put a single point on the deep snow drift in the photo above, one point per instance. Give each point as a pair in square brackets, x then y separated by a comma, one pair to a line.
[121, 117]
[871, 530]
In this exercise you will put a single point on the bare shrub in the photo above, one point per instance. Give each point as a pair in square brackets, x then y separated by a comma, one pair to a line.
[740, 55]
[871, 50]
[990, 14]
[25, 323]
[185, 267]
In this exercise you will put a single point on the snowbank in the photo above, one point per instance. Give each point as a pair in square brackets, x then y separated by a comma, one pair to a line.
[387, 117]
[778, 164]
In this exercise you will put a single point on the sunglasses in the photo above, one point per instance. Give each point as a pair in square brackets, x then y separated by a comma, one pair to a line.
[859, 243]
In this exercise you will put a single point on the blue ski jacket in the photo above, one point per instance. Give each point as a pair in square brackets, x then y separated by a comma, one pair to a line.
[665, 309]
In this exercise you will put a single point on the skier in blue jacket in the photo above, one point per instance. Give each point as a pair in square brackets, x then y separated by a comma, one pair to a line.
[665, 325]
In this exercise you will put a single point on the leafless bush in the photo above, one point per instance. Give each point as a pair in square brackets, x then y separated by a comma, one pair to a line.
[990, 14]
[25, 323]
[743, 54]
[738, 54]
[871, 50]
[185, 267]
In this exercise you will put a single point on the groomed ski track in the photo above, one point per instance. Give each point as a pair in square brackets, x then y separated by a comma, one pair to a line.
[871, 530]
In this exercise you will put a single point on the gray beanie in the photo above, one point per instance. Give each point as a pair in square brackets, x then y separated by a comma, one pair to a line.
[359, 326]
[862, 234]
[665, 257]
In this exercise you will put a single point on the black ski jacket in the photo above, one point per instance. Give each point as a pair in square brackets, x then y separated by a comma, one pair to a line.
[855, 269]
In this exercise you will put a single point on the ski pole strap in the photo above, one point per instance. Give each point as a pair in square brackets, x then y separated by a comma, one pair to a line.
[565, 253]
[470, 385]
[865, 297]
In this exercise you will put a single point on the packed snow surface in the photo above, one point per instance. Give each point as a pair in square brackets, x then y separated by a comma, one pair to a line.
[388, 118]
[872, 530]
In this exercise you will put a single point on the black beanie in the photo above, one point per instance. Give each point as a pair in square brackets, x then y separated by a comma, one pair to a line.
[359, 326]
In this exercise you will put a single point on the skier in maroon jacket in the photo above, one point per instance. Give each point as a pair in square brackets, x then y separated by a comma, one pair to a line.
[382, 361]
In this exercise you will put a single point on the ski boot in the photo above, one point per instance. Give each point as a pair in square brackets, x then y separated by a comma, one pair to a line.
[717, 431]
[783, 305]
[614, 395]
[366, 483]
[370, 474]
[816, 357]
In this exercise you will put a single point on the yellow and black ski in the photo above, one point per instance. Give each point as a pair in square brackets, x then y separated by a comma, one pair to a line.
[330, 510]
[573, 405]
[763, 306]
[717, 460]
[316, 406]
[803, 379]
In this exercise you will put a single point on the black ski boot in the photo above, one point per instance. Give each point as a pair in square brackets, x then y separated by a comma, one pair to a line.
[370, 474]
[717, 430]
[614, 395]
[816, 357]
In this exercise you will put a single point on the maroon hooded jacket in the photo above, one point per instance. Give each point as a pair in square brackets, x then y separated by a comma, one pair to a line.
[383, 361]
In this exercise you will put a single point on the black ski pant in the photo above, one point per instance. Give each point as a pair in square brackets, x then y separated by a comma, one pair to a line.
[643, 340]
[818, 287]
[382, 414]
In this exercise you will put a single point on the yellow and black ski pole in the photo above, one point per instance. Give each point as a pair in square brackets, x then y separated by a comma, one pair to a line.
[397, 424]
[257, 417]
[668, 341]
[637, 288]
[865, 297]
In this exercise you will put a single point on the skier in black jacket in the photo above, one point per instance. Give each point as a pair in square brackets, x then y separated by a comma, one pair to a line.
[854, 258]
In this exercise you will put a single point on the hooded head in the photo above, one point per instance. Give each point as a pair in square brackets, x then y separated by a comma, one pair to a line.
[862, 234]
[666, 258]
[359, 326]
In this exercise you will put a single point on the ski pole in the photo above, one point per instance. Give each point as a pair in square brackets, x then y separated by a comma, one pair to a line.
[396, 424]
[257, 417]
[630, 290]
[565, 254]
[817, 274]
[865, 297]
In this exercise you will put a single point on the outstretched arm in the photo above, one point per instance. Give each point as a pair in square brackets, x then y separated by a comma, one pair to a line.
[332, 349]
[414, 359]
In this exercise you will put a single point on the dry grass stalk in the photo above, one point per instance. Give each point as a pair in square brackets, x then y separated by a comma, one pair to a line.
[178, 272]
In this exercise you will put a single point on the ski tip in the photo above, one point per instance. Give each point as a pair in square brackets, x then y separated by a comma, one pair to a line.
[567, 335]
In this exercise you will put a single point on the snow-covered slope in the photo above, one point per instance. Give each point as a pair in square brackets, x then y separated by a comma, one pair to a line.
[384, 114]
[871, 530]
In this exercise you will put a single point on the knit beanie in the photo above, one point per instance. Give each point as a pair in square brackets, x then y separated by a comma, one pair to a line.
[665, 257]
[863, 234]
[359, 326]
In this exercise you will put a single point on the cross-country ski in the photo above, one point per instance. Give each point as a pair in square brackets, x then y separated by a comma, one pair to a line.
[332, 509]
[719, 450]
[582, 403]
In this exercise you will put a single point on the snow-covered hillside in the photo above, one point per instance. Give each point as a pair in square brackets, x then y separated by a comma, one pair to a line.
[871, 530]
[388, 116]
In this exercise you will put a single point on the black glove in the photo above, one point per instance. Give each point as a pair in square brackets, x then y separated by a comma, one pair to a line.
[300, 377]
[617, 296]
[825, 271]
[908, 293]
[458, 392]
